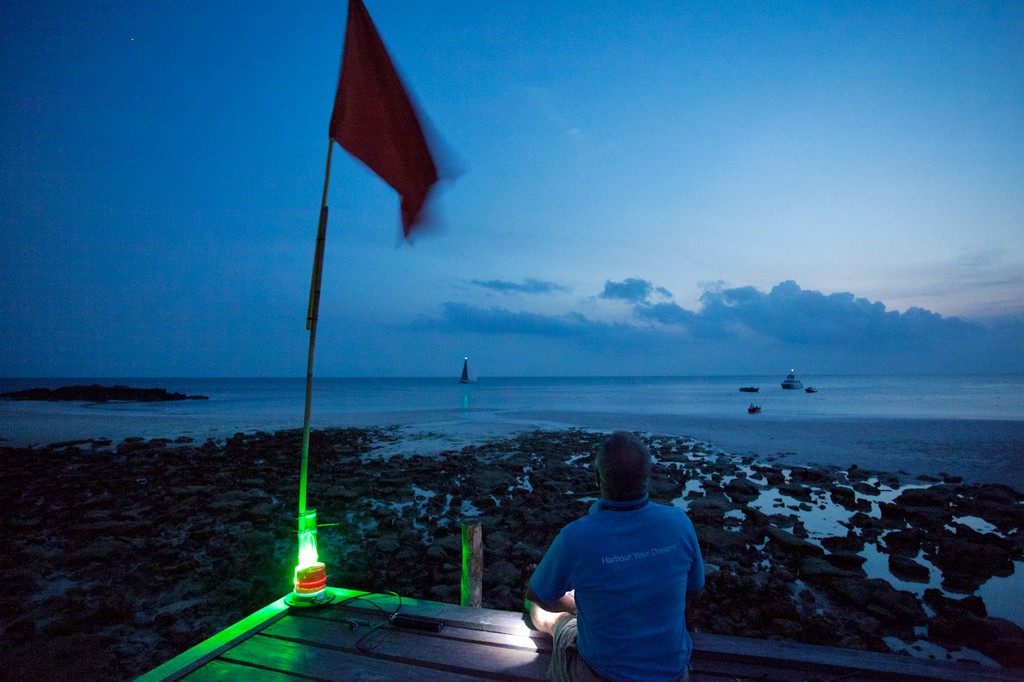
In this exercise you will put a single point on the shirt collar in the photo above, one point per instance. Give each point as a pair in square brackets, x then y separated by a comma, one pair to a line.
[622, 505]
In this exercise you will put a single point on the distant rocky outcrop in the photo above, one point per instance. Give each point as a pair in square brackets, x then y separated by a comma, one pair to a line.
[95, 393]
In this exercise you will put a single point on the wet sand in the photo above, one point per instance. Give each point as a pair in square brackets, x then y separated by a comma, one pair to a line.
[978, 451]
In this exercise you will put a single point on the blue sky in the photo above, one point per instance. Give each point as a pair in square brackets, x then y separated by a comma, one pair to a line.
[643, 188]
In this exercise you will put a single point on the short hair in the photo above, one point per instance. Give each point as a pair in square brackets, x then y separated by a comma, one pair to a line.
[623, 467]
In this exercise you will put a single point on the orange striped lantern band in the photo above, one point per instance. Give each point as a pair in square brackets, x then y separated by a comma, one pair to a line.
[311, 579]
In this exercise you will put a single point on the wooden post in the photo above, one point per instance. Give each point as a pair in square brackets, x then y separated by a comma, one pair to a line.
[472, 562]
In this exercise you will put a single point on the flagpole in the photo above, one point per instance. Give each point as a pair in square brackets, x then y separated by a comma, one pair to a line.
[312, 314]
[310, 572]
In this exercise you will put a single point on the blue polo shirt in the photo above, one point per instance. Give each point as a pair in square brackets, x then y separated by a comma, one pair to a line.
[631, 565]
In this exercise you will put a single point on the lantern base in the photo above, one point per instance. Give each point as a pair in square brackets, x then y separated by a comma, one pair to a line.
[306, 600]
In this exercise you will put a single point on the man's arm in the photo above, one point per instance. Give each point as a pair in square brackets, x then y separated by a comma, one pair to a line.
[564, 604]
[545, 615]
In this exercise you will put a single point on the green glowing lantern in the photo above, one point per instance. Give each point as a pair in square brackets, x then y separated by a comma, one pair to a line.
[310, 572]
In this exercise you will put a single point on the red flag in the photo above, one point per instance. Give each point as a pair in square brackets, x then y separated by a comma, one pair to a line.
[376, 121]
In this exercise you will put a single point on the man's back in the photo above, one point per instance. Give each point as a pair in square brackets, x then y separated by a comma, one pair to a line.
[631, 565]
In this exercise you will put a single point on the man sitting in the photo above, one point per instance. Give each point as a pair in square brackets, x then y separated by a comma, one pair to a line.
[612, 588]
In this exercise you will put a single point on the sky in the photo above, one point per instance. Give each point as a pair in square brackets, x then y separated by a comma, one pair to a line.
[635, 188]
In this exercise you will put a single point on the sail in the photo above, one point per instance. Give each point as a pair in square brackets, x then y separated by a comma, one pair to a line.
[465, 371]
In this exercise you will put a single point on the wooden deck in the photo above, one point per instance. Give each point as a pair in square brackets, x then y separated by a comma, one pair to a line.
[352, 638]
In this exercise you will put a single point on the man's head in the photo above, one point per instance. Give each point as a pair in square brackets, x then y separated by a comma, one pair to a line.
[623, 467]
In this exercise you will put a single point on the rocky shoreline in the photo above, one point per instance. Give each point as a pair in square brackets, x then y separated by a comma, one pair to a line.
[119, 556]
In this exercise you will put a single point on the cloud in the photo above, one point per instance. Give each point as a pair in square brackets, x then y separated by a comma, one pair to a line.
[673, 319]
[527, 286]
[743, 328]
[468, 318]
[632, 289]
[807, 317]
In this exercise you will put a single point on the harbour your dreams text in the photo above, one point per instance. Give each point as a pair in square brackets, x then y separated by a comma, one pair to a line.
[653, 552]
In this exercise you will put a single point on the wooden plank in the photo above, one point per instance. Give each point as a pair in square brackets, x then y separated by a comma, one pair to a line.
[541, 644]
[218, 670]
[810, 657]
[712, 670]
[331, 664]
[455, 629]
[330, 633]
[456, 649]
[486, 619]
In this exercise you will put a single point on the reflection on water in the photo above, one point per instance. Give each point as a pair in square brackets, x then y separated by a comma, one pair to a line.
[1002, 596]
[822, 518]
[467, 392]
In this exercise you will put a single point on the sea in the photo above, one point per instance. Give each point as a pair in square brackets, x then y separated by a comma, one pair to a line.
[971, 426]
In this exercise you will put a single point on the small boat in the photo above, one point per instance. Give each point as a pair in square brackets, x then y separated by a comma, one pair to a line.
[749, 389]
[464, 379]
[754, 409]
[810, 389]
[791, 382]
